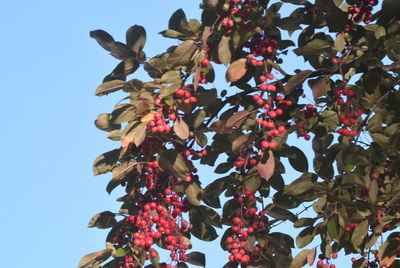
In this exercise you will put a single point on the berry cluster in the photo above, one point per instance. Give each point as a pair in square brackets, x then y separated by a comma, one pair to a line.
[153, 221]
[351, 115]
[158, 124]
[246, 222]
[185, 96]
[324, 262]
[261, 46]
[361, 11]
[238, 14]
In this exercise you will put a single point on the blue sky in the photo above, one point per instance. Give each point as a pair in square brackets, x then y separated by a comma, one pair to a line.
[49, 68]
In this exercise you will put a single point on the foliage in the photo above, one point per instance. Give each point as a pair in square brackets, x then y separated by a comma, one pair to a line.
[170, 125]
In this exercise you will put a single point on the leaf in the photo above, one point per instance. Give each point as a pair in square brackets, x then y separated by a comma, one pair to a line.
[311, 256]
[340, 43]
[378, 30]
[296, 80]
[181, 129]
[193, 193]
[334, 227]
[203, 231]
[298, 160]
[178, 21]
[99, 256]
[120, 253]
[173, 163]
[280, 213]
[266, 165]
[239, 142]
[105, 162]
[336, 19]
[224, 50]
[319, 86]
[135, 134]
[104, 39]
[196, 258]
[108, 87]
[305, 237]
[387, 261]
[359, 233]
[120, 174]
[136, 38]
[236, 70]
[302, 258]
[237, 119]
[103, 220]
[182, 54]
[104, 123]
[315, 47]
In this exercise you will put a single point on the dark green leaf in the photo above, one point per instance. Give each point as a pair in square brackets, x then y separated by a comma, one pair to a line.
[103, 220]
[196, 258]
[173, 163]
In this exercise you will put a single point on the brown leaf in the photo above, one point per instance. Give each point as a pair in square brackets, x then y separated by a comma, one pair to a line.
[236, 70]
[266, 165]
[239, 142]
[387, 261]
[135, 135]
[237, 119]
[296, 80]
[89, 259]
[119, 172]
[311, 256]
[140, 134]
[103, 220]
[224, 50]
[181, 129]
[220, 127]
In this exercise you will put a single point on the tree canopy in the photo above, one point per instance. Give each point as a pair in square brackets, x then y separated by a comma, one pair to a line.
[175, 121]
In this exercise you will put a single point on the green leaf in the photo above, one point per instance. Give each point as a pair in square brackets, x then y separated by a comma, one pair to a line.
[224, 50]
[178, 21]
[181, 129]
[182, 54]
[319, 86]
[196, 258]
[104, 123]
[120, 252]
[89, 259]
[296, 80]
[280, 213]
[120, 174]
[173, 163]
[373, 191]
[136, 38]
[303, 257]
[105, 162]
[359, 233]
[378, 30]
[336, 19]
[103, 220]
[203, 231]
[315, 47]
[304, 222]
[135, 134]
[298, 160]
[334, 227]
[108, 87]
[236, 70]
[340, 43]
[193, 193]
[305, 237]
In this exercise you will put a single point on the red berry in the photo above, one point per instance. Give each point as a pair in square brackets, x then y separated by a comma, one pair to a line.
[205, 62]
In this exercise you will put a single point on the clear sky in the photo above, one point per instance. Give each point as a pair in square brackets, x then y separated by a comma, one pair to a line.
[49, 68]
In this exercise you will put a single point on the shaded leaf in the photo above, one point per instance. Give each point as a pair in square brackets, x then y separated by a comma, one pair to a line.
[173, 163]
[136, 38]
[108, 87]
[239, 142]
[89, 259]
[193, 193]
[103, 220]
[196, 258]
[105, 162]
[296, 80]
[237, 119]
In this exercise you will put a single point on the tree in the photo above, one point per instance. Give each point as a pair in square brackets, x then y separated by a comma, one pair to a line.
[170, 125]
